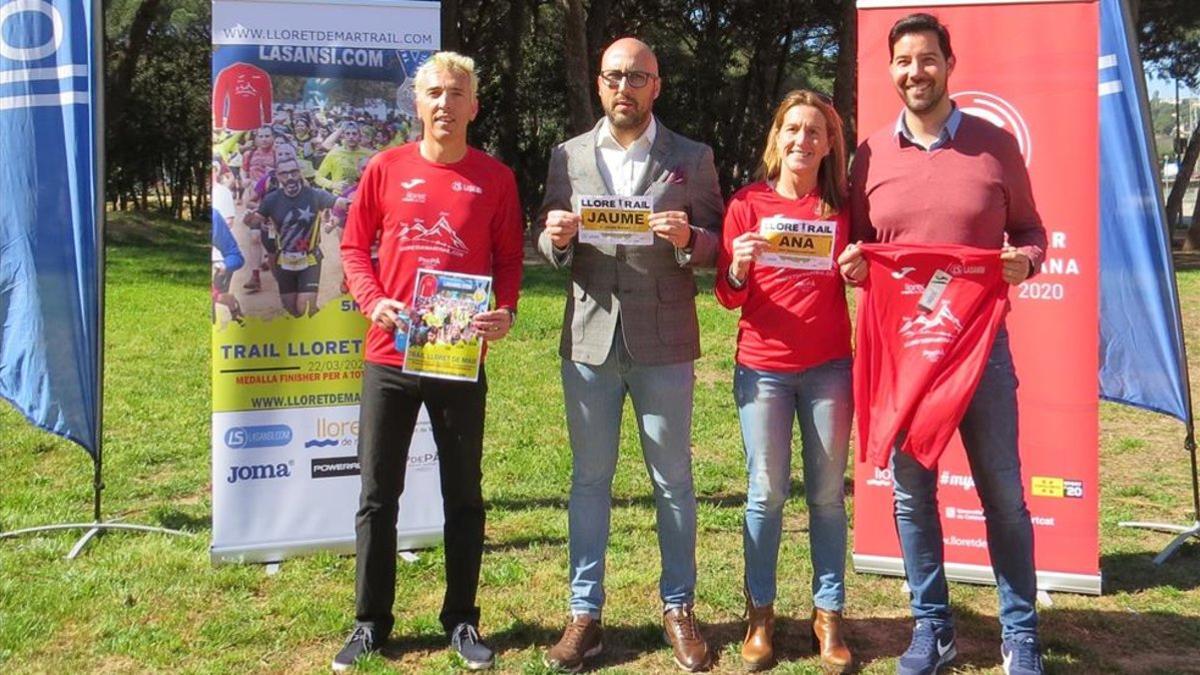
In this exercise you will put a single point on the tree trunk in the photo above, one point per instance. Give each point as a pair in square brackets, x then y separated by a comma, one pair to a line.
[510, 113]
[122, 83]
[597, 32]
[845, 82]
[580, 114]
[451, 37]
[1186, 167]
[1192, 241]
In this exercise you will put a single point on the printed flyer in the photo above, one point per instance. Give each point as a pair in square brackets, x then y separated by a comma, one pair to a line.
[610, 219]
[440, 341]
[798, 244]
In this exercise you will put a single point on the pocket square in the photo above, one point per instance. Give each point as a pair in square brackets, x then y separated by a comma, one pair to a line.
[675, 176]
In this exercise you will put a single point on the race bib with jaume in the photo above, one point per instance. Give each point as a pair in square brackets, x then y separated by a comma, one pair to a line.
[798, 244]
[610, 219]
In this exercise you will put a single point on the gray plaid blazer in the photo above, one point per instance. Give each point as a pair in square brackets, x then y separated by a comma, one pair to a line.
[650, 289]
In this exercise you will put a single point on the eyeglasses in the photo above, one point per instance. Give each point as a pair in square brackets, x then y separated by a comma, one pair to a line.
[634, 78]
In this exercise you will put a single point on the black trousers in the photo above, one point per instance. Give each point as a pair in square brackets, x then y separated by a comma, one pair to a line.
[390, 403]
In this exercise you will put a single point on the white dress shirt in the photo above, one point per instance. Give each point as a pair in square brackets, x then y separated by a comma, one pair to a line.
[622, 168]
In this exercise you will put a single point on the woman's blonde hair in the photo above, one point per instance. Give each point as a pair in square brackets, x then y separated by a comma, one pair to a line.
[831, 177]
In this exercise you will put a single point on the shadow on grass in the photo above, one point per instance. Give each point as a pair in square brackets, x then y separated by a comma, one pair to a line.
[511, 544]
[734, 500]
[1073, 640]
[174, 519]
[1135, 572]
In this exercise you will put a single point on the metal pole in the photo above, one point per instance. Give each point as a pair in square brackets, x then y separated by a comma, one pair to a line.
[98, 152]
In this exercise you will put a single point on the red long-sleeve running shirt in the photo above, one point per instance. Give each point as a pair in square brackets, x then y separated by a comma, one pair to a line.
[792, 319]
[241, 98]
[462, 217]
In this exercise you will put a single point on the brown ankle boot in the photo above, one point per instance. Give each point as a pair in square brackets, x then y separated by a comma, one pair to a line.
[829, 642]
[757, 651]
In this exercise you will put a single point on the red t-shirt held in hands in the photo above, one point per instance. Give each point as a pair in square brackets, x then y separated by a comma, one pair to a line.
[921, 355]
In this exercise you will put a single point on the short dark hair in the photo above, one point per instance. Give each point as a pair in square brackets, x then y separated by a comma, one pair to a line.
[920, 23]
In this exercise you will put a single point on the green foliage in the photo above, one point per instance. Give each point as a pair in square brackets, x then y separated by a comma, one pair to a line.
[157, 73]
[1169, 38]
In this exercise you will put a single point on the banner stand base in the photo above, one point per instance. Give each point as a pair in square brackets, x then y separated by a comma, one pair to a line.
[1185, 533]
[93, 529]
[1086, 584]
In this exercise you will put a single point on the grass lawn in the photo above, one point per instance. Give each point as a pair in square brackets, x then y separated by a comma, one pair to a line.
[140, 603]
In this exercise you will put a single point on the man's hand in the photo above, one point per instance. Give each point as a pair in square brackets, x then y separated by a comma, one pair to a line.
[852, 264]
[387, 314]
[493, 325]
[747, 247]
[1017, 265]
[561, 227]
[672, 226]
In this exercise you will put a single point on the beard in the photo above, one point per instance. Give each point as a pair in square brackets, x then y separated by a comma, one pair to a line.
[630, 119]
[937, 92]
[291, 188]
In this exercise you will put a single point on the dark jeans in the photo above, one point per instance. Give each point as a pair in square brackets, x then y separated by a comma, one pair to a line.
[989, 433]
[388, 414]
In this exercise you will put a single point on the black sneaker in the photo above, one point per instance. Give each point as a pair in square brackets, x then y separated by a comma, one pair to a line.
[360, 643]
[466, 643]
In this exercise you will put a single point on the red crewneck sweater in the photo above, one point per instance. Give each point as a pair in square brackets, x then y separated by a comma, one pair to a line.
[973, 191]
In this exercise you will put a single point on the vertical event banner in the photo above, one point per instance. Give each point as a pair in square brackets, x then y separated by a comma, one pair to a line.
[304, 94]
[1030, 68]
[50, 201]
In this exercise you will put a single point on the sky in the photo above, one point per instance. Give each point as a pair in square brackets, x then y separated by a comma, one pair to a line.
[1165, 89]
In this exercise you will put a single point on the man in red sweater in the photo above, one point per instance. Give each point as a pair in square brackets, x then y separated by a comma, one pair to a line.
[434, 204]
[941, 177]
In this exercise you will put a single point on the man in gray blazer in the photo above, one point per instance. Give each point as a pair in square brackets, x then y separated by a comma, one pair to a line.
[630, 326]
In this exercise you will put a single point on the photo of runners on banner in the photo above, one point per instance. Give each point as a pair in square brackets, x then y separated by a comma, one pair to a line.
[610, 219]
[440, 341]
[798, 244]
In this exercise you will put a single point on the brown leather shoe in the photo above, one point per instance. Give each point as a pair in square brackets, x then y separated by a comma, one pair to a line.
[691, 651]
[827, 640]
[581, 640]
[757, 650]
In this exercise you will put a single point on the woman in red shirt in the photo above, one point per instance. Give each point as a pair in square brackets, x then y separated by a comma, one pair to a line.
[782, 236]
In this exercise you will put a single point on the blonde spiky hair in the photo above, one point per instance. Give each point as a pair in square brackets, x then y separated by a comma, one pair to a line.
[451, 62]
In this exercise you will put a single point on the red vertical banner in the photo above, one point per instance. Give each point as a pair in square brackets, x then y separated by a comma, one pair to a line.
[1030, 68]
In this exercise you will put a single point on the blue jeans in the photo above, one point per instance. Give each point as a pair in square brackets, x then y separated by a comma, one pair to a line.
[989, 433]
[821, 400]
[662, 402]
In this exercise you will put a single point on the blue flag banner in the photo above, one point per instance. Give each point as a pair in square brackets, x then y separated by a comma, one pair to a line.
[1141, 338]
[49, 289]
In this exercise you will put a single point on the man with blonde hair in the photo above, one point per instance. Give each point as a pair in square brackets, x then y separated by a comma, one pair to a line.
[433, 204]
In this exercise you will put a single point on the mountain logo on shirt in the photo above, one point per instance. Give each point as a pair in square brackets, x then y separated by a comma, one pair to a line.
[437, 237]
[940, 327]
